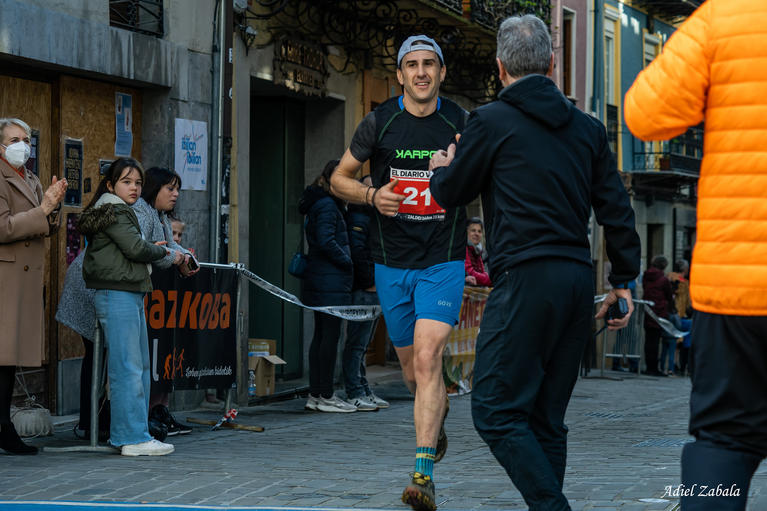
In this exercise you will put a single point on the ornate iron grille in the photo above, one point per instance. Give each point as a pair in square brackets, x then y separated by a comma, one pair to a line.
[454, 5]
[370, 32]
[681, 154]
[674, 10]
[490, 13]
[143, 16]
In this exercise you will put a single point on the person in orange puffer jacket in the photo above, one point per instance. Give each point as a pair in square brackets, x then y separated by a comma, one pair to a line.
[713, 67]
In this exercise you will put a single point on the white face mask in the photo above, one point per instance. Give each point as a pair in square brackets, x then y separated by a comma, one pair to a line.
[17, 153]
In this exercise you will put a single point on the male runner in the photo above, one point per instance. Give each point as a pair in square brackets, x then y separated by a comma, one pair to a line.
[418, 246]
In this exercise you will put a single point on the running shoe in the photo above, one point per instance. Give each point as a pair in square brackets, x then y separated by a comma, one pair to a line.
[311, 403]
[380, 403]
[334, 404]
[362, 404]
[419, 494]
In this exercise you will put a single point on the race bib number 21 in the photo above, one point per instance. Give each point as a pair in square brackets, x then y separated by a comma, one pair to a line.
[418, 203]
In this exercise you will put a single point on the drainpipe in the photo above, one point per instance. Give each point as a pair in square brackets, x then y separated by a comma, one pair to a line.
[222, 140]
[215, 128]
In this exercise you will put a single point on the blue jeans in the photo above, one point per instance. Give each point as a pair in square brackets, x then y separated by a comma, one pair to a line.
[121, 316]
[667, 352]
[358, 336]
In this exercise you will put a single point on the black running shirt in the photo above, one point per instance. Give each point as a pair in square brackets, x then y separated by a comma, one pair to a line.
[399, 145]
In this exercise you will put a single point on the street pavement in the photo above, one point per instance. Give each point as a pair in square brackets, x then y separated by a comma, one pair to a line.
[624, 447]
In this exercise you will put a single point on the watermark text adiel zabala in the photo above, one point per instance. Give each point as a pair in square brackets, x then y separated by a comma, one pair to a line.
[701, 490]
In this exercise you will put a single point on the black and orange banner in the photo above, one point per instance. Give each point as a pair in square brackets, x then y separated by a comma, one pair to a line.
[192, 329]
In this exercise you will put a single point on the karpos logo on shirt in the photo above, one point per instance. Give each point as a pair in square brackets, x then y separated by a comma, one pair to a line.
[414, 153]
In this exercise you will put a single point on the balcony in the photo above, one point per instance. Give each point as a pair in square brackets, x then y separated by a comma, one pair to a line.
[142, 16]
[668, 169]
[674, 10]
[490, 13]
[369, 32]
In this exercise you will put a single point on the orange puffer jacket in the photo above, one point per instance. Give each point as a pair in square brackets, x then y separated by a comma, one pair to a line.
[715, 66]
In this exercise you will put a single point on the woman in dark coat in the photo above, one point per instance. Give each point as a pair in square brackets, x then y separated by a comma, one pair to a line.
[656, 288]
[327, 281]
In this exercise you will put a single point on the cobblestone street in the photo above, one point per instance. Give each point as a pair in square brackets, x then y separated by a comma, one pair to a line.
[625, 443]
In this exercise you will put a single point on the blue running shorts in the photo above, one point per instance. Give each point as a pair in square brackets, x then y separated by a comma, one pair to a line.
[434, 293]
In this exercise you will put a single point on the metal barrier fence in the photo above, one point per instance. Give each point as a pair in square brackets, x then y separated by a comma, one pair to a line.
[629, 341]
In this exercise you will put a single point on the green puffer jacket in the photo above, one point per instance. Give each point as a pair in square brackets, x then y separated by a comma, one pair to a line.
[117, 256]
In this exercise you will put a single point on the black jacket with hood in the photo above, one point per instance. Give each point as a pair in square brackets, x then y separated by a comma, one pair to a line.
[541, 165]
[329, 269]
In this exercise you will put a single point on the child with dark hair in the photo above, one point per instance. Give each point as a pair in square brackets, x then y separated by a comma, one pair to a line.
[116, 265]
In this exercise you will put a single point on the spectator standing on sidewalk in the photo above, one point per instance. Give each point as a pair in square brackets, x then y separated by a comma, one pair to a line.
[713, 68]
[157, 201]
[475, 267]
[27, 216]
[327, 281]
[360, 333]
[541, 165]
[655, 288]
[116, 265]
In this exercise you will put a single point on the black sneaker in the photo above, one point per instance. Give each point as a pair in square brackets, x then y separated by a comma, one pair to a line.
[158, 430]
[161, 413]
[442, 438]
[176, 428]
[419, 494]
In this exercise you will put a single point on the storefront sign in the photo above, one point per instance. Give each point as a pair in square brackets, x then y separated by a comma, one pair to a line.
[192, 329]
[191, 151]
[32, 162]
[73, 171]
[300, 66]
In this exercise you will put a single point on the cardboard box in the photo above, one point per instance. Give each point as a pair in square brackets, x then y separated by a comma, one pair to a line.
[262, 360]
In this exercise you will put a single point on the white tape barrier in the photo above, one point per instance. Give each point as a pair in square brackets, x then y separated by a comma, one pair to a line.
[349, 312]
[665, 325]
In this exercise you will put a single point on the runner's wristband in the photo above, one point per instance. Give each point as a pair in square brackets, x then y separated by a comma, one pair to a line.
[373, 198]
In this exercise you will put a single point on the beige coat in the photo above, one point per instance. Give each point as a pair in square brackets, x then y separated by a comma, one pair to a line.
[23, 225]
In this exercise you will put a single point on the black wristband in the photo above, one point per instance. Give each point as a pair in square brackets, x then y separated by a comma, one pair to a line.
[373, 198]
[366, 194]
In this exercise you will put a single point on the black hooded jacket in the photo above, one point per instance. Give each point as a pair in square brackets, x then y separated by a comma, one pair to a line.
[329, 270]
[541, 165]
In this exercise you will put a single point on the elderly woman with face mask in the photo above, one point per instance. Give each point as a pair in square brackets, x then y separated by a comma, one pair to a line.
[27, 215]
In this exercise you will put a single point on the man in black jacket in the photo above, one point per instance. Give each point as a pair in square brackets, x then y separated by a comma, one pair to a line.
[540, 165]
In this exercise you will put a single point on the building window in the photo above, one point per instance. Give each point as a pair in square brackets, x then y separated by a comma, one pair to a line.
[612, 81]
[143, 16]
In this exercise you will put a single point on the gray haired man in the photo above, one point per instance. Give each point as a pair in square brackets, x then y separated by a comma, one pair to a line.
[540, 165]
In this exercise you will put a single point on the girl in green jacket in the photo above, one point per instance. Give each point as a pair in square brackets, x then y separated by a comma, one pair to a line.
[117, 265]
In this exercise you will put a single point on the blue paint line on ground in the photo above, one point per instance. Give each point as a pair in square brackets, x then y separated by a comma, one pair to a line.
[16, 505]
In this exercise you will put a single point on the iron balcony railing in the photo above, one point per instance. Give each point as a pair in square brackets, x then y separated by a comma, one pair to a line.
[453, 5]
[682, 154]
[674, 10]
[143, 16]
[490, 13]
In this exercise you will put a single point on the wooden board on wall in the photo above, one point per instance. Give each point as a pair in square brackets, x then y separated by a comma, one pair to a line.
[87, 112]
[30, 101]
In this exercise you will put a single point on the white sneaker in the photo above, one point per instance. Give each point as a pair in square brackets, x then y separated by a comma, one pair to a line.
[150, 448]
[362, 404]
[311, 403]
[334, 404]
[380, 403]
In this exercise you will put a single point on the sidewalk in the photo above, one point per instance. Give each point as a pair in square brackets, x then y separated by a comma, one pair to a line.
[624, 448]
